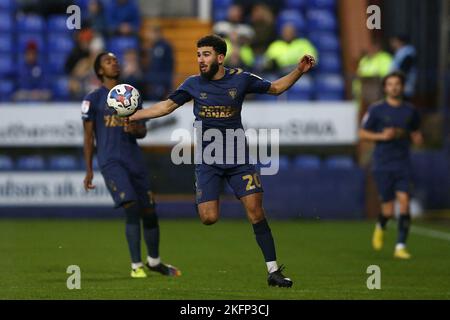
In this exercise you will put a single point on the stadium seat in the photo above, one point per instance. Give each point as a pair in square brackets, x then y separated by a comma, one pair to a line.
[307, 162]
[293, 17]
[322, 4]
[56, 62]
[329, 87]
[330, 62]
[59, 42]
[6, 64]
[6, 90]
[6, 163]
[120, 44]
[57, 23]
[7, 5]
[35, 162]
[302, 89]
[322, 20]
[324, 41]
[6, 22]
[24, 38]
[65, 162]
[339, 162]
[60, 88]
[295, 4]
[30, 23]
[6, 43]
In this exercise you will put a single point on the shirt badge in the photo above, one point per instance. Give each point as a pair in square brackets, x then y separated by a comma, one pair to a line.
[203, 95]
[232, 92]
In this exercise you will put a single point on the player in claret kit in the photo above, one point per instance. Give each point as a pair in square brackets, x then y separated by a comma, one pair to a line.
[122, 166]
[392, 124]
[218, 94]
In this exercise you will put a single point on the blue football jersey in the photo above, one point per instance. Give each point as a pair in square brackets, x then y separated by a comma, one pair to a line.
[218, 103]
[113, 144]
[392, 154]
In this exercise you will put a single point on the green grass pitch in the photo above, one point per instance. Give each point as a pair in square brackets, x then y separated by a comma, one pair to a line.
[326, 260]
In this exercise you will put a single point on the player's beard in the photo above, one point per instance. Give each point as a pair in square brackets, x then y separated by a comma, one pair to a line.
[212, 71]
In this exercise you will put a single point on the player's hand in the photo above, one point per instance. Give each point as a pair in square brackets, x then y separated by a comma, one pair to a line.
[88, 181]
[388, 134]
[130, 127]
[306, 63]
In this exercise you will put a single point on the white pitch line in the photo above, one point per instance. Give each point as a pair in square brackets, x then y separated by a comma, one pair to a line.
[430, 233]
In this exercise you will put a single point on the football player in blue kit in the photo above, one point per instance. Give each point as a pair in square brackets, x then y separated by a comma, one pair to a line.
[218, 94]
[123, 168]
[392, 124]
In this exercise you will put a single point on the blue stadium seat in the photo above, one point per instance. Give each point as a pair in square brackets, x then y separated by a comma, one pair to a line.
[6, 22]
[284, 163]
[324, 41]
[295, 4]
[6, 43]
[8, 5]
[24, 38]
[329, 87]
[293, 17]
[6, 163]
[330, 62]
[120, 44]
[30, 23]
[65, 162]
[339, 162]
[223, 4]
[6, 64]
[60, 88]
[307, 162]
[57, 23]
[35, 162]
[56, 62]
[6, 90]
[59, 42]
[322, 4]
[302, 89]
[322, 20]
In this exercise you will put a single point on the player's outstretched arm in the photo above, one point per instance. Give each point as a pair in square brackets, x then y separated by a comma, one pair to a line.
[284, 83]
[159, 109]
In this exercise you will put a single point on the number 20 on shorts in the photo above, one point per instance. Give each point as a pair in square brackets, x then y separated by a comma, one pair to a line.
[253, 181]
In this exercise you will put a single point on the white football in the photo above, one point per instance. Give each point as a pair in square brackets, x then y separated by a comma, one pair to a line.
[124, 99]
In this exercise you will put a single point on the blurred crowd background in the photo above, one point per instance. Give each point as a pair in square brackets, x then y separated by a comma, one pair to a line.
[41, 60]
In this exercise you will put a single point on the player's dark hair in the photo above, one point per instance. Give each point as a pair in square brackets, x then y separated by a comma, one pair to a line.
[395, 74]
[97, 65]
[219, 45]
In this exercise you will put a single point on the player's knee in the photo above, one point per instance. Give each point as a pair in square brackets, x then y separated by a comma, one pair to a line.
[209, 217]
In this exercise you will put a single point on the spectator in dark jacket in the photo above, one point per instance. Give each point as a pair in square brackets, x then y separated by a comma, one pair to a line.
[158, 64]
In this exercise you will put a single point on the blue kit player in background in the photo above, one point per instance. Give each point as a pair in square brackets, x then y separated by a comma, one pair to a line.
[122, 166]
[218, 94]
[392, 124]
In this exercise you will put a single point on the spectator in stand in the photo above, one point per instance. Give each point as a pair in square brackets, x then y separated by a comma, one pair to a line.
[405, 62]
[239, 52]
[283, 54]
[132, 70]
[32, 85]
[123, 17]
[83, 39]
[234, 24]
[262, 22]
[376, 63]
[158, 64]
[83, 78]
[95, 17]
